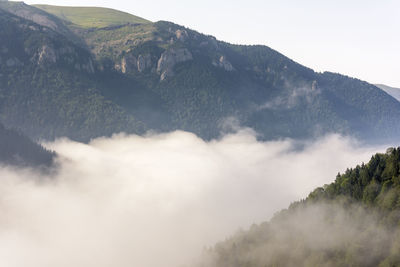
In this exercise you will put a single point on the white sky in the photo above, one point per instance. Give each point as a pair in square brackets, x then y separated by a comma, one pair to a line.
[359, 38]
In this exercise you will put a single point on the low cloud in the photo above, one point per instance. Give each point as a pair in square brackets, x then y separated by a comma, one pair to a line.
[293, 97]
[156, 200]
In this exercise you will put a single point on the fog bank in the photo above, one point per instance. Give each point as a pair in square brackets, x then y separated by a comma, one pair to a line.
[157, 200]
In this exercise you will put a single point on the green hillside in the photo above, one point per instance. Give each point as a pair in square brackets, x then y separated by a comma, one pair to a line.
[355, 221]
[92, 17]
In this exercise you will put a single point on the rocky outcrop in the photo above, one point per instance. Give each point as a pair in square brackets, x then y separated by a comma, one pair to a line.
[181, 35]
[223, 63]
[46, 55]
[123, 65]
[130, 63]
[169, 59]
[144, 62]
[314, 86]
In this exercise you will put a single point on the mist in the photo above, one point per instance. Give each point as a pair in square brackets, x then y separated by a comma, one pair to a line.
[316, 234]
[293, 97]
[157, 200]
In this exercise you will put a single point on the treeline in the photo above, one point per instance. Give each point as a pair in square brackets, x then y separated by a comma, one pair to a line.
[354, 221]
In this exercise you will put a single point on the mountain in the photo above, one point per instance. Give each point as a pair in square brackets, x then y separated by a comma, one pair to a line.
[395, 92]
[88, 72]
[355, 221]
[17, 149]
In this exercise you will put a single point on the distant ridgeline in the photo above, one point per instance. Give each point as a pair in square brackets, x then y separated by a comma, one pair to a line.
[89, 72]
[355, 221]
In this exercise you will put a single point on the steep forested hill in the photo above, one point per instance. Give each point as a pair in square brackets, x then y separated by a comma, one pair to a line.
[355, 221]
[17, 149]
[69, 72]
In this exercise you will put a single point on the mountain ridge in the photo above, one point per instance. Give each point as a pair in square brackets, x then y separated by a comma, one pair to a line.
[162, 76]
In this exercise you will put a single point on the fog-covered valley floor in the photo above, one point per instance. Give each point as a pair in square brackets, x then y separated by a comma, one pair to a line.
[157, 200]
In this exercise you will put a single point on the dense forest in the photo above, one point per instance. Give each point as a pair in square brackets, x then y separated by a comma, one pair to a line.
[18, 150]
[354, 221]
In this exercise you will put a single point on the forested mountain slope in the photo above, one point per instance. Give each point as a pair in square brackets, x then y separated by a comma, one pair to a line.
[85, 78]
[355, 221]
[17, 149]
[48, 87]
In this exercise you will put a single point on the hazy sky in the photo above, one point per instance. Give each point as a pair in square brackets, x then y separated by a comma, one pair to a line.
[359, 38]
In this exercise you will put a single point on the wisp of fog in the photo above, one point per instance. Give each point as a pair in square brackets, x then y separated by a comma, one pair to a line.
[156, 200]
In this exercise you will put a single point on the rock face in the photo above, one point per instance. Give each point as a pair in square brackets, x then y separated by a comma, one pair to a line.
[143, 62]
[314, 86]
[223, 63]
[46, 55]
[126, 63]
[169, 59]
[130, 63]
[181, 35]
[51, 51]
